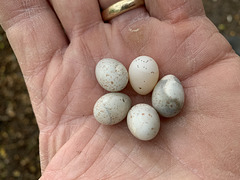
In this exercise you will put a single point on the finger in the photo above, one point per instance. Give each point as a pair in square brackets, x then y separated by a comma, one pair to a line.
[174, 10]
[77, 16]
[127, 17]
[35, 35]
[104, 4]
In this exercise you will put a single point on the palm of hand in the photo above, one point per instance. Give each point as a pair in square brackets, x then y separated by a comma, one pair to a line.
[198, 143]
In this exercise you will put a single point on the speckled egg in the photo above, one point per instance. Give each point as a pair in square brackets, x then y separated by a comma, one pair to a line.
[143, 74]
[111, 75]
[168, 96]
[143, 121]
[111, 108]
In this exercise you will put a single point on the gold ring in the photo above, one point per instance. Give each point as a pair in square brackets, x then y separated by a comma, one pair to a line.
[120, 8]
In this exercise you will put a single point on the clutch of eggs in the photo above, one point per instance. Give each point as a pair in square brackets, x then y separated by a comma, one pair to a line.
[143, 120]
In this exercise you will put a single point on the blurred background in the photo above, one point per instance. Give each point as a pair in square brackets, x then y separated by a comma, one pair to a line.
[19, 158]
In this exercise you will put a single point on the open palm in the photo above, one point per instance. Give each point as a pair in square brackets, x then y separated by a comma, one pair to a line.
[58, 44]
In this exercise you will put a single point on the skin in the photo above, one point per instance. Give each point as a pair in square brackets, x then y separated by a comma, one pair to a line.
[58, 44]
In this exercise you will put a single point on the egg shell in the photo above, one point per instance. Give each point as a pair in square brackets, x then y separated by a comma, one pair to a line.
[143, 74]
[111, 108]
[168, 96]
[143, 121]
[111, 75]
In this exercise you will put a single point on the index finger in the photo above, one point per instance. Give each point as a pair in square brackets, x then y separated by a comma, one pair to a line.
[36, 36]
[34, 32]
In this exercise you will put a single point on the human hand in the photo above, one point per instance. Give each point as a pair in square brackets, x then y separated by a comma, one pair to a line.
[58, 53]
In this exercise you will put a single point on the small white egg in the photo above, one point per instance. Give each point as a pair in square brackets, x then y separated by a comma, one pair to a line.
[111, 75]
[143, 121]
[111, 108]
[143, 74]
[168, 96]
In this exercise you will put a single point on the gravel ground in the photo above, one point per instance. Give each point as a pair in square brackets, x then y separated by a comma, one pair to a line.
[19, 157]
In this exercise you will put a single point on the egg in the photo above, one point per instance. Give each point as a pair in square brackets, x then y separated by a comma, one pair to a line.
[168, 96]
[143, 74]
[111, 75]
[143, 121]
[111, 108]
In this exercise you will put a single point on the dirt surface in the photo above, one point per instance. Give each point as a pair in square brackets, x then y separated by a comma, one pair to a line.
[19, 157]
[225, 15]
